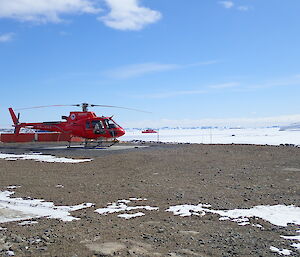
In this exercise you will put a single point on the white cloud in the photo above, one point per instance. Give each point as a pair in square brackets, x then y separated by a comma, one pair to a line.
[203, 90]
[45, 10]
[6, 37]
[123, 14]
[232, 86]
[279, 82]
[175, 93]
[227, 4]
[137, 70]
[225, 85]
[128, 15]
[243, 8]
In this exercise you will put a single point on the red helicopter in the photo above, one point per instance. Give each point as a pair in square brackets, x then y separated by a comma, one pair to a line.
[84, 124]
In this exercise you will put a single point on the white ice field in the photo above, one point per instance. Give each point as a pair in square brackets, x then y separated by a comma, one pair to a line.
[259, 136]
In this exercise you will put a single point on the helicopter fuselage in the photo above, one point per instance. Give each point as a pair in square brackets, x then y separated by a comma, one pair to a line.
[80, 124]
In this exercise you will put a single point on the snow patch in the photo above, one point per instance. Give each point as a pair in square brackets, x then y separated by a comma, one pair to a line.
[279, 215]
[257, 225]
[296, 245]
[12, 187]
[17, 209]
[188, 210]
[280, 251]
[137, 199]
[121, 206]
[297, 237]
[129, 216]
[38, 157]
[27, 222]
[292, 237]
[10, 253]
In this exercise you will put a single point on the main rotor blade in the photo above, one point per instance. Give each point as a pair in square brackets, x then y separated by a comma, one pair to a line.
[44, 106]
[81, 105]
[119, 107]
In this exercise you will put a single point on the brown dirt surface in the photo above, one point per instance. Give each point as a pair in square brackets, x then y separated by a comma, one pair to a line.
[225, 176]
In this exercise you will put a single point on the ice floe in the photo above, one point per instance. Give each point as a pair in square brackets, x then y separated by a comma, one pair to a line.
[121, 206]
[17, 209]
[40, 158]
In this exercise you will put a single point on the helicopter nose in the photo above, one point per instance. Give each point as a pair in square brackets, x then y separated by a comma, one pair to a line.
[121, 132]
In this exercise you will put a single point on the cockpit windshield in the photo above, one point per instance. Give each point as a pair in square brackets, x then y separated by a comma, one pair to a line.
[110, 123]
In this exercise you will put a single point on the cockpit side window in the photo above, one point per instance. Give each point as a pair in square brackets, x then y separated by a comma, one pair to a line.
[88, 124]
[97, 123]
[98, 127]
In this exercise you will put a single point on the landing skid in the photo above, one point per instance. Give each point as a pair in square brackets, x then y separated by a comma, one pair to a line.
[97, 143]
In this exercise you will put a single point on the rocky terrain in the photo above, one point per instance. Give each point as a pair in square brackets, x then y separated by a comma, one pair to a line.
[222, 177]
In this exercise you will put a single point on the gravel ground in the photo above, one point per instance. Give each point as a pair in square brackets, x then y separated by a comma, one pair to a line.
[225, 176]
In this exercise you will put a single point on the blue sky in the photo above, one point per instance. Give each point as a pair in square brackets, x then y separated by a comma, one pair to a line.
[188, 62]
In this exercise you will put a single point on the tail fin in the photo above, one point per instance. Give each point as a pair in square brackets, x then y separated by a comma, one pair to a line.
[15, 121]
[13, 116]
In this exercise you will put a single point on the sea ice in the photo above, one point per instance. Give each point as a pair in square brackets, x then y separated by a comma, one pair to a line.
[260, 136]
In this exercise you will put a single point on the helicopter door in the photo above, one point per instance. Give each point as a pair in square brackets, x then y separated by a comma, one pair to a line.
[98, 127]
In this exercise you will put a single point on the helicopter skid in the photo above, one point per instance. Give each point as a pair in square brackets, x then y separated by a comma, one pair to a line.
[100, 143]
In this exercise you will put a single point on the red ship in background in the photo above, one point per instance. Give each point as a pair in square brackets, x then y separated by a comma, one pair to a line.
[149, 131]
